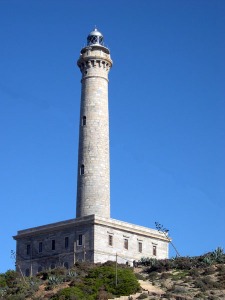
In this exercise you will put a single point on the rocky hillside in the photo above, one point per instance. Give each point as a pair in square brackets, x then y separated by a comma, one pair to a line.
[201, 277]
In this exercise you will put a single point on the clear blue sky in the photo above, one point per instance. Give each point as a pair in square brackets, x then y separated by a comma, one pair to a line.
[167, 115]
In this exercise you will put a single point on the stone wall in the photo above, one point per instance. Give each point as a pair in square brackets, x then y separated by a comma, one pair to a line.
[94, 247]
[130, 242]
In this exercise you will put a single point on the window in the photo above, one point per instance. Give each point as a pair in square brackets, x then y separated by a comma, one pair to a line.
[28, 249]
[40, 247]
[140, 247]
[80, 240]
[154, 250]
[39, 269]
[126, 244]
[82, 170]
[66, 242]
[84, 119]
[110, 240]
[66, 265]
[27, 272]
[53, 244]
[53, 266]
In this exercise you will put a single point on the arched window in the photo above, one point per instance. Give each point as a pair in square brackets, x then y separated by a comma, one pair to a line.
[84, 119]
[82, 170]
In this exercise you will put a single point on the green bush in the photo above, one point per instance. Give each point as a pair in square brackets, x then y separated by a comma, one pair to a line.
[74, 292]
[101, 282]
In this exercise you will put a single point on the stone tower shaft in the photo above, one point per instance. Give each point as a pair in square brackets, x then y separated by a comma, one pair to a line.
[93, 178]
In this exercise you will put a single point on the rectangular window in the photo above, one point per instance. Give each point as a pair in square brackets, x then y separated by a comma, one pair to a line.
[40, 247]
[154, 250]
[126, 244]
[84, 120]
[82, 170]
[66, 242]
[140, 247]
[28, 249]
[110, 240]
[80, 240]
[53, 244]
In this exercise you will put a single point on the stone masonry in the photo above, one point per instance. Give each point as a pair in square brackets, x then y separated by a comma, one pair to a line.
[93, 182]
[91, 238]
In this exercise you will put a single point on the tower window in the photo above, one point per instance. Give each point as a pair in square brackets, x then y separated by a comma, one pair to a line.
[53, 244]
[154, 250]
[140, 247]
[39, 269]
[80, 240]
[28, 249]
[84, 119]
[40, 248]
[126, 244]
[110, 240]
[82, 170]
[27, 272]
[66, 242]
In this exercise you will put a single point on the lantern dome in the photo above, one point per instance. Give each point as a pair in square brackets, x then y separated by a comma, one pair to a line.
[95, 38]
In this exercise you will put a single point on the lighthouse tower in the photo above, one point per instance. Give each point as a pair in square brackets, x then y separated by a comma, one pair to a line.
[93, 180]
[93, 235]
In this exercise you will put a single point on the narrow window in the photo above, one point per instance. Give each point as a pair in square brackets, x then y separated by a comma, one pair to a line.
[53, 244]
[27, 272]
[66, 242]
[140, 247]
[110, 240]
[80, 240]
[28, 249]
[84, 119]
[40, 247]
[66, 265]
[52, 266]
[82, 170]
[126, 244]
[39, 269]
[154, 250]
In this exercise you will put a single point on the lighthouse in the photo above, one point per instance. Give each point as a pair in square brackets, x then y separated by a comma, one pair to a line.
[93, 176]
[93, 235]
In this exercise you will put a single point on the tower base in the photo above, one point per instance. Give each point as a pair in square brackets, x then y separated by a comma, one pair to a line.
[90, 238]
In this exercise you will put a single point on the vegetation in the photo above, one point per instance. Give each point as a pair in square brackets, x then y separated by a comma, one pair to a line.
[201, 277]
[84, 282]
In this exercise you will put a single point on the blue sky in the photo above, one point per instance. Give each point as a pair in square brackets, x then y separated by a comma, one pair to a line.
[167, 115]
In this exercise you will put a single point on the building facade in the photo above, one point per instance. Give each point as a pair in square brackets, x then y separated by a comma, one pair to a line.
[92, 236]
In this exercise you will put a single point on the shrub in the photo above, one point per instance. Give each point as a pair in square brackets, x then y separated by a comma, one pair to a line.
[221, 269]
[139, 276]
[143, 296]
[199, 295]
[194, 272]
[165, 275]
[210, 270]
[70, 292]
[200, 284]
[11, 278]
[153, 275]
